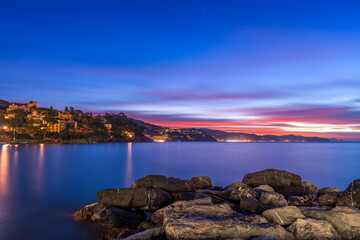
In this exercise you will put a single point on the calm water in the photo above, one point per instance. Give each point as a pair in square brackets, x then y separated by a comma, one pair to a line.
[41, 185]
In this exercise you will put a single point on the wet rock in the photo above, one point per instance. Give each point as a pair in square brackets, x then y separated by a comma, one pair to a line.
[150, 234]
[328, 190]
[306, 229]
[293, 191]
[283, 216]
[157, 181]
[86, 213]
[235, 185]
[351, 196]
[328, 199]
[313, 189]
[248, 205]
[272, 177]
[202, 182]
[197, 227]
[273, 200]
[243, 191]
[308, 200]
[144, 198]
[265, 188]
[345, 220]
[116, 217]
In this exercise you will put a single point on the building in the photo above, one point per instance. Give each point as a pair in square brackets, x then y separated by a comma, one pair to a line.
[108, 126]
[56, 127]
[65, 116]
[26, 107]
[36, 116]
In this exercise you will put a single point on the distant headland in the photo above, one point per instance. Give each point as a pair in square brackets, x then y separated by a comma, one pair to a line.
[28, 123]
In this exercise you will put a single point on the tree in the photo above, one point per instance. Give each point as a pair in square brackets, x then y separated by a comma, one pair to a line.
[66, 109]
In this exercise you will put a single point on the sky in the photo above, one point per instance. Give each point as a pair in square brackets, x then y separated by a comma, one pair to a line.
[265, 67]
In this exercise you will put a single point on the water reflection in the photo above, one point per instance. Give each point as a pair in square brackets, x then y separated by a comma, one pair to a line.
[40, 167]
[4, 168]
[129, 172]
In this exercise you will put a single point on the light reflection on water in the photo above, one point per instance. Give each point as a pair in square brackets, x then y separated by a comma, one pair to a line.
[41, 185]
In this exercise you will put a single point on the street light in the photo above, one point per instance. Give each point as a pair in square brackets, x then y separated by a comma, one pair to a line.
[5, 127]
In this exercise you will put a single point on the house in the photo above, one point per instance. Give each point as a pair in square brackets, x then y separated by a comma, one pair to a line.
[65, 116]
[56, 127]
[108, 126]
[26, 107]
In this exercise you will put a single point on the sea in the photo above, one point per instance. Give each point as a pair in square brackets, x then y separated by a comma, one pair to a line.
[42, 185]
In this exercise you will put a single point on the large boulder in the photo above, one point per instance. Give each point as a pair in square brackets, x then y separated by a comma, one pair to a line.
[328, 199]
[274, 178]
[157, 181]
[183, 226]
[112, 217]
[150, 234]
[293, 191]
[273, 200]
[328, 190]
[248, 205]
[313, 189]
[243, 191]
[86, 213]
[351, 196]
[265, 188]
[345, 220]
[283, 216]
[305, 229]
[202, 182]
[235, 185]
[203, 207]
[144, 198]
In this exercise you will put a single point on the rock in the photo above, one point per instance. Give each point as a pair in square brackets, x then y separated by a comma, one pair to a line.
[328, 199]
[265, 188]
[248, 205]
[157, 181]
[150, 234]
[145, 226]
[313, 189]
[351, 196]
[272, 177]
[273, 200]
[235, 185]
[115, 217]
[305, 229]
[144, 198]
[204, 207]
[328, 190]
[293, 191]
[185, 196]
[308, 200]
[86, 213]
[216, 188]
[283, 216]
[194, 227]
[243, 191]
[345, 220]
[202, 182]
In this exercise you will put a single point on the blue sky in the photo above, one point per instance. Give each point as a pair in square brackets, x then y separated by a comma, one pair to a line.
[255, 66]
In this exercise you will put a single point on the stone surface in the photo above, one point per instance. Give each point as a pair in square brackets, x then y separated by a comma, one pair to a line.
[115, 217]
[272, 177]
[293, 191]
[150, 234]
[306, 229]
[179, 226]
[328, 190]
[265, 188]
[185, 196]
[283, 216]
[345, 220]
[313, 189]
[144, 198]
[328, 199]
[202, 182]
[307, 200]
[235, 185]
[86, 213]
[248, 205]
[243, 191]
[351, 196]
[157, 181]
[273, 200]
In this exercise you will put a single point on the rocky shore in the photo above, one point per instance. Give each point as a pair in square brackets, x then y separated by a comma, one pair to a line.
[269, 204]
